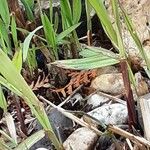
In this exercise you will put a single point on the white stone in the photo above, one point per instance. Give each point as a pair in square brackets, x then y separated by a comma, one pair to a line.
[96, 100]
[111, 114]
[42, 149]
[81, 139]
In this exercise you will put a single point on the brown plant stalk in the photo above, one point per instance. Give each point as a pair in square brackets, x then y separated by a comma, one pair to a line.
[128, 95]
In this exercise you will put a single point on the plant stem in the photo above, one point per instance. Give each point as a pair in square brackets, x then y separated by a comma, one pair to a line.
[20, 115]
[128, 95]
[89, 38]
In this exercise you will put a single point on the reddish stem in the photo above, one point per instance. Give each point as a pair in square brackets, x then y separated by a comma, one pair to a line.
[128, 95]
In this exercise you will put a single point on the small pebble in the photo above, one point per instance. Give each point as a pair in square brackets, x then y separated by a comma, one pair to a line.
[96, 100]
[81, 139]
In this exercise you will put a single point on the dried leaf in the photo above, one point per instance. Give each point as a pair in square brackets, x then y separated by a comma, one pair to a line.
[77, 79]
[41, 82]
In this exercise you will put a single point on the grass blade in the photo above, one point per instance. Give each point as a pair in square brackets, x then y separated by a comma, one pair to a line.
[11, 126]
[4, 12]
[77, 7]
[105, 20]
[27, 143]
[5, 35]
[50, 34]
[15, 79]
[14, 31]
[86, 63]
[28, 7]
[66, 32]
[3, 103]
[8, 137]
[66, 13]
[27, 41]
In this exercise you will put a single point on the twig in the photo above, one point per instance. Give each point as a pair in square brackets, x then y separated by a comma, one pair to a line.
[128, 135]
[89, 38]
[113, 98]
[129, 144]
[108, 96]
[85, 37]
[71, 95]
[71, 116]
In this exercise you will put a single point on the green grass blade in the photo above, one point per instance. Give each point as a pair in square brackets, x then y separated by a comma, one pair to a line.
[5, 35]
[29, 12]
[117, 26]
[50, 34]
[8, 137]
[66, 13]
[14, 31]
[88, 11]
[6, 84]
[4, 12]
[105, 20]
[3, 103]
[31, 60]
[30, 3]
[100, 50]
[77, 8]
[31, 140]
[27, 41]
[17, 59]
[51, 10]
[86, 63]
[13, 77]
[66, 32]
[56, 21]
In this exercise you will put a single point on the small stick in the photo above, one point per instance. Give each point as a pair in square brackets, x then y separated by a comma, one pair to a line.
[128, 135]
[89, 38]
[113, 98]
[85, 37]
[70, 96]
[71, 116]
[129, 144]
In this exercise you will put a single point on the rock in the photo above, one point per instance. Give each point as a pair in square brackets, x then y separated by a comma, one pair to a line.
[107, 70]
[81, 139]
[109, 83]
[111, 114]
[141, 85]
[104, 142]
[60, 125]
[76, 99]
[96, 100]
